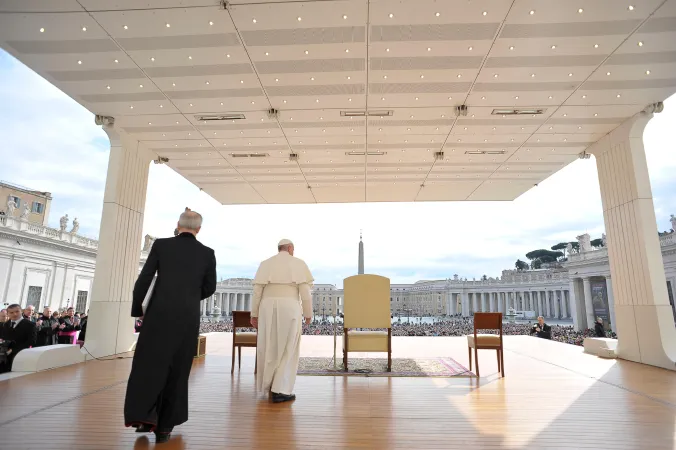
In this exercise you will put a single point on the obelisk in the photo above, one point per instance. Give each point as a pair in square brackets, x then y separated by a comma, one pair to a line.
[360, 269]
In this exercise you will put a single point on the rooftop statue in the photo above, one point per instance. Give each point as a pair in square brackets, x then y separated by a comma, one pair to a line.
[76, 226]
[673, 222]
[585, 243]
[25, 211]
[11, 206]
[63, 222]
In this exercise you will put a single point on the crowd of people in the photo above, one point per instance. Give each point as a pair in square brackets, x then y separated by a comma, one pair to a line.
[21, 329]
[456, 326]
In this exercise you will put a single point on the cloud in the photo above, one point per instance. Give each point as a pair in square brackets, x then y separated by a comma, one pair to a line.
[51, 143]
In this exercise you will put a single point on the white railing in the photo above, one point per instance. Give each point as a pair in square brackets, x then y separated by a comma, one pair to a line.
[667, 239]
[24, 226]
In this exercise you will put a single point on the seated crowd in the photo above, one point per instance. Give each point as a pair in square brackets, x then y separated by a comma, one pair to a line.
[454, 326]
[21, 329]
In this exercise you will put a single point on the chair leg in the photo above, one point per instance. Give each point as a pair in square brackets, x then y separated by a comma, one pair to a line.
[232, 369]
[345, 360]
[502, 361]
[497, 354]
[469, 350]
[239, 357]
[476, 361]
[256, 363]
[389, 361]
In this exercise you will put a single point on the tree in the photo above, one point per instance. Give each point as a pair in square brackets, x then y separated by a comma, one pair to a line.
[536, 264]
[484, 278]
[520, 265]
[560, 246]
[597, 243]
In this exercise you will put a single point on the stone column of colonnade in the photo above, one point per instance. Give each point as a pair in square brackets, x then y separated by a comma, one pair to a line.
[111, 329]
[645, 323]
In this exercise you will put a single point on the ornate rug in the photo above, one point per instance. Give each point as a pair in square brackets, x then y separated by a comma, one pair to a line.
[377, 367]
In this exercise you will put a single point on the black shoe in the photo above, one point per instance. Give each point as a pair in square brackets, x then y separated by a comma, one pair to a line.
[161, 438]
[281, 398]
[144, 428]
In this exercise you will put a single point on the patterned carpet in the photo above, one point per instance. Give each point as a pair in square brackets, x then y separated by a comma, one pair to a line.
[377, 367]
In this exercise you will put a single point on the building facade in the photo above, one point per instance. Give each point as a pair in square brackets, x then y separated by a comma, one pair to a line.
[42, 266]
[21, 202]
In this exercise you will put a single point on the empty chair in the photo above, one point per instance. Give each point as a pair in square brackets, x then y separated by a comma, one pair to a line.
[366, 304]
[242, 319]
[486, 321]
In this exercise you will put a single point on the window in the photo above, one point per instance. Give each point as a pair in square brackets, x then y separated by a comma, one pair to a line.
[34, 295]
[38, 208]
[81, 304]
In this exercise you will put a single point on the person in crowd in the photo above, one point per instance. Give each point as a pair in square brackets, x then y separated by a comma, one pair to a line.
[56, 315]
[279, 283]
[157, 390]
[83, 330]
[541, 329]
[599, 330]
[68, 324]
[137, 325]
[47, 328]
[29, 312]
[3, 316]
[18, 333]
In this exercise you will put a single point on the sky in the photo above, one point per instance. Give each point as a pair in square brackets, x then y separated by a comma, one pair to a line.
[49, 142]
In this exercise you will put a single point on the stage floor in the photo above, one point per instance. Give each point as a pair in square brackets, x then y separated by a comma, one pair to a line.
[553, 396]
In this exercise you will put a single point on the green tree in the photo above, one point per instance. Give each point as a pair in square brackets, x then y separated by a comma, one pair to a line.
[597, 243]
[520, 265]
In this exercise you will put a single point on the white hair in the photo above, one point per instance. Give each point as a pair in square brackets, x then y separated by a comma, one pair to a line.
[190, 220]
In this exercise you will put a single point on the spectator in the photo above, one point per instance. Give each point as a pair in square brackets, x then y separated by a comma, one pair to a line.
[47, 328]
[598, 328]
[68, 325]
[28, 312]
[18, 333]
[3, 316]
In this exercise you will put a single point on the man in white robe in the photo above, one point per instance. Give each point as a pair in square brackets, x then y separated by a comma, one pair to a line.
[281, 300]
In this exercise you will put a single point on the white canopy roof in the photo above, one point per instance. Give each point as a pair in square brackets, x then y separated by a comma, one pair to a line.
[156, 66]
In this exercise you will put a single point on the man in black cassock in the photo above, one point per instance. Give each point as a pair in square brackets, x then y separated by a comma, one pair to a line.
[157, 391]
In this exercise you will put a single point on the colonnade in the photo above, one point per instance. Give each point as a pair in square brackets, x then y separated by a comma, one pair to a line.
[227, 302]
[551, 304]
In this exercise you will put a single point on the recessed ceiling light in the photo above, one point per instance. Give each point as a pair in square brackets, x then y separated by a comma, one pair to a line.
[565, 115]
[580, 10]
[344, 17]
[168, 25]
[284, 101]
[422, 76]
[387, 49]
[391, 15]
[584, 96]
[347, 50]
[596, 114]
[84, 28]
[608, 73]
[189, 57]
[300, 18]
[107, 87]
[484, 13]
[618, 96]
[495, 75]
[228, 55]
[416, 98]
[437, 14]
[42, 30]
[312, 78]
[384, 77]
[125, 27]
[349, 99]
[254, 20]
[267, 54]
[173, 84]
[516, 98]
[570, 74]
[647, 72]
[241, 81]
[206, 82]
[131, 107]
[532, 11]
[511, 47]
[550, 97]
[79, 62]
[140, 85]
[553, 47]
[161, 106]
[307, 52]
[631, 7]
[459, 75]
[210, 22]
[640, 43]
[483, 98]
[276, 79]
[596, 45]
[191, 104]
[450, 98]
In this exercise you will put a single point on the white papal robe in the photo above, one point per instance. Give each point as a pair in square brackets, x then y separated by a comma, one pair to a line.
[281, 299]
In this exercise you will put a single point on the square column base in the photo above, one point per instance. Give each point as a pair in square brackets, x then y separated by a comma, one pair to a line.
[640, 339]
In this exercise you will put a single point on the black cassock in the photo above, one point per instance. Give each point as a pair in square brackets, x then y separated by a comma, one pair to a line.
[157, 391]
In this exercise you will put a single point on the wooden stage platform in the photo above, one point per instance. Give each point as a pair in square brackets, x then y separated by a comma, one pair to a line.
[553, 397]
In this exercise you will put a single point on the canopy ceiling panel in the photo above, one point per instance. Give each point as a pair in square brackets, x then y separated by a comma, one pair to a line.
[365, 92]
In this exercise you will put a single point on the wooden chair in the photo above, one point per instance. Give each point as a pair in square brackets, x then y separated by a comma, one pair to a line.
[366, 304]
[242, 319]
[486, 321]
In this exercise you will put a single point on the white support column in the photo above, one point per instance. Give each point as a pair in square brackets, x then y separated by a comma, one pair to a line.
[465, 304]
[573, 303]
[588, 306]
[564, 308]
[557, 310]
[611, 303]
[111, 328]
[645, 322]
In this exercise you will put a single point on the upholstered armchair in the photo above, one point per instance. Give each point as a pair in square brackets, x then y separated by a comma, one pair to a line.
[366, 304]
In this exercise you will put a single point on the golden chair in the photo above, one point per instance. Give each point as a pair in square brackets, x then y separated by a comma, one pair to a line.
[242, 319]
[366, 304]
[486, 321]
